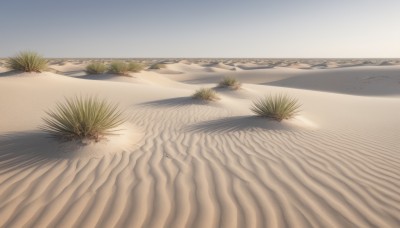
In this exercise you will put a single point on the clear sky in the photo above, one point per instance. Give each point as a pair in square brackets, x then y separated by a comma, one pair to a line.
[202, 28]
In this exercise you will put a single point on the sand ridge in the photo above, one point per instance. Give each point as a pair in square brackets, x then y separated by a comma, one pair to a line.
[193, 164]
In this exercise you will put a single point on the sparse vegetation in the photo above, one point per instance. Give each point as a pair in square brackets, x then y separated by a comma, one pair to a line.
[206, 94]
[278, 107]
[135, 67]
[96, 68]
[157, 66]
[27, 61]
[229, 82]
[82, 118]
[119, 67]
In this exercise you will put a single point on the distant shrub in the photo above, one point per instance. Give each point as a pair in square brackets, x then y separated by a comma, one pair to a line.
[158, 66]
[278, 107]
[83, 118]
[119, 67]
[135, 67]
[229, 82]
[206, 94]
[27, 61]
[96, 68]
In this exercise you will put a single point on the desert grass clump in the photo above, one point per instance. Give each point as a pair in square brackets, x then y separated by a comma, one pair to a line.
[27, 61]
[277, 107]
[96, 68]
[83, 118]
[206, 94]
[135, 67]
[157, 66]
[229, 82]
[119, 67]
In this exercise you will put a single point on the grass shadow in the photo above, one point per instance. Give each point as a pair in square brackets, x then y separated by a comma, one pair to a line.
[80, 73]
[178, 102]
[10, 73]
[105, 76]
[237, 123]
[23, 150]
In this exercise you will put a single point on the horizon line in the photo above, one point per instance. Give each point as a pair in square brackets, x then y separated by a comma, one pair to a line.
[214, 57]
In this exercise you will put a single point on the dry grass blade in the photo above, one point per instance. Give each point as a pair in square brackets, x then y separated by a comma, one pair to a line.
[96, 68]
[206, 94]
[27, 61]
[135, 67]
[229, 82]
[83, 118]
[119, 67]
[278, 107]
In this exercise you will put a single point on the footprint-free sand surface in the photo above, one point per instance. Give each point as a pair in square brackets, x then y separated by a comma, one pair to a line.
[179, 162]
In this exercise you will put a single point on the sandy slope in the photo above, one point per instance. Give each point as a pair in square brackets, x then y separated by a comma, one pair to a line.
[181, 163]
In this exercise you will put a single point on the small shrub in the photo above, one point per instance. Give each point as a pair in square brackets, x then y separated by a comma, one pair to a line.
[135, 67]
[96, 68]
[229, 82]
[206, 94]
[119, 67]
[157, 66]
[278, 107]
[83, 118]
[27, 61]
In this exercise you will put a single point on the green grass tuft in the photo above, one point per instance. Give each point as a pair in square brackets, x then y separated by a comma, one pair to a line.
[135, 67]
[119, 67]
[229, 82]
[27, 61]
[278, 107]
[96, 68]
[206, 94]
[82, 118]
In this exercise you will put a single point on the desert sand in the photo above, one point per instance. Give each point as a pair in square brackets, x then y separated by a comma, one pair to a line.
[179, 162]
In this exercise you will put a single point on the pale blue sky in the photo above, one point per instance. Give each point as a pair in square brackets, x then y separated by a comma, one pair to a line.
[194, 28]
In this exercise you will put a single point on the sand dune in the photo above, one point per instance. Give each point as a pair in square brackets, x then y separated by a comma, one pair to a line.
[184, 163]
[366, 81]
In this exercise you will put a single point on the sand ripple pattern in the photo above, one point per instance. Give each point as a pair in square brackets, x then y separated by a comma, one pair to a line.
[202, 169]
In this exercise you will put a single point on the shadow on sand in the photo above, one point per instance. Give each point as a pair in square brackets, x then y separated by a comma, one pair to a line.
[237, 123]
[178, 102]
[102, 76]
[10, 73]
[23, 150]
